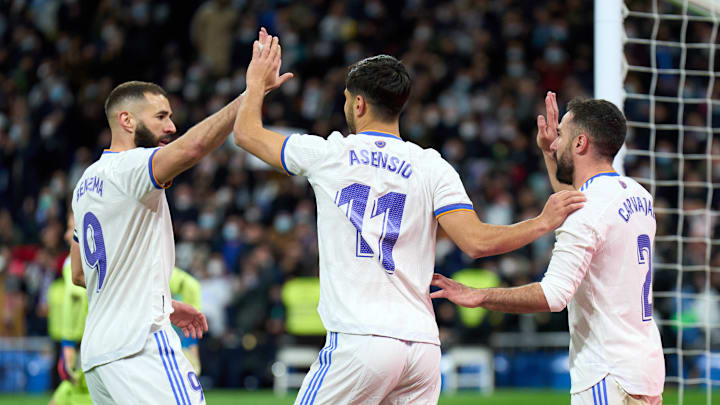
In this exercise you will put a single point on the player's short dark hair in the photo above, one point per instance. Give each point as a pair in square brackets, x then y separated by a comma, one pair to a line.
[134, 90]
[602, 121]
[383, 81]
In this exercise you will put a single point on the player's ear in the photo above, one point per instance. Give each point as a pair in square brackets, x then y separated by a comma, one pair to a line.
[126, 121]
[582, 143]
[360, 105]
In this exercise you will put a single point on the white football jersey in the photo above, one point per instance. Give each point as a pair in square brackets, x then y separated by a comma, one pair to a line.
[123, 227]
[377, 202]
[601, 268]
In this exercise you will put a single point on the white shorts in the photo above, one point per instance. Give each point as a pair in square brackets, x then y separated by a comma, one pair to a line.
[368, 369]
[158, 374]
[609, 392]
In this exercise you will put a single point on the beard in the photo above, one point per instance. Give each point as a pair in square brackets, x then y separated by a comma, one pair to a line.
[350, 119]
[565, 169]
[145, 139]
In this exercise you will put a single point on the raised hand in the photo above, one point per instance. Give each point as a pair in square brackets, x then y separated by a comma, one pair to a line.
[560, 205]
[547, 127]
[458, 293]
[265, 64]
[190, 320]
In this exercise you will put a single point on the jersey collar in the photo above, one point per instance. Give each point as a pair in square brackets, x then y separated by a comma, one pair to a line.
[380, 133]
[587, 182]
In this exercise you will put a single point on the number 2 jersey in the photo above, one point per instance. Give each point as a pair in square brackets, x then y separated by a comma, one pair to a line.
[123, 227]
[601, 268]
[378, 198]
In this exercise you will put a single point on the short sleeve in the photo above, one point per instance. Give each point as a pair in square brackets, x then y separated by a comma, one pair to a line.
[300, 154]
[449, 194]
[134, 172]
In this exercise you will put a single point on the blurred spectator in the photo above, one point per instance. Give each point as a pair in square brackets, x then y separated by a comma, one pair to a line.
[212, 32]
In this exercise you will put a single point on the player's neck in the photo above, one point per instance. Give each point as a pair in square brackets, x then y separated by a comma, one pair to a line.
[121, 143]
[390, 128]
[582, 174]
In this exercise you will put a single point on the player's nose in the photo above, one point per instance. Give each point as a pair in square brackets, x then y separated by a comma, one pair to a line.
[169, 127]
[554, 146]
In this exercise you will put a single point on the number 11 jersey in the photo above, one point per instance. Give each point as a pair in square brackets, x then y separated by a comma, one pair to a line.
[378, 199]
[123, 227]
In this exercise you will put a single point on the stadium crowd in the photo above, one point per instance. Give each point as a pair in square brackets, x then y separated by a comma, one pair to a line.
[480, 71]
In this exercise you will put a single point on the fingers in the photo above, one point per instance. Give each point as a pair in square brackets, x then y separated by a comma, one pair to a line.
[256, 50]
[573, 196]
[439, 294]
[550, 110]
[438, 280]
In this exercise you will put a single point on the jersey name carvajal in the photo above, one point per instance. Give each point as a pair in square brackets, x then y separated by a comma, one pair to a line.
[601, 269]
[378, 198]
[123, 227]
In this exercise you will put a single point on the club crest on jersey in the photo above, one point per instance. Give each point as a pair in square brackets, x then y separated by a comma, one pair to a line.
[622, 183]
[380, 144]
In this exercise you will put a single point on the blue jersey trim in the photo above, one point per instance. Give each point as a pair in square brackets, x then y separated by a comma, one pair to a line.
[282, 157]
[379, 133]
[150, 169]
[452, 207]
[589, 181]
[167, 371]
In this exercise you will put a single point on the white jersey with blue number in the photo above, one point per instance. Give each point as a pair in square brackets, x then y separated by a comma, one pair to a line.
[377, 202]
[601, 268]
[123, 227]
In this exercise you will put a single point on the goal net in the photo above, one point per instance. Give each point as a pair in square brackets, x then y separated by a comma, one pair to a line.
[670, 95]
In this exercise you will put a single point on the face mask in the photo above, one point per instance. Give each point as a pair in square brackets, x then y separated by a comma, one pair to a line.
[207, 220]
[283, 223]
[230, 232]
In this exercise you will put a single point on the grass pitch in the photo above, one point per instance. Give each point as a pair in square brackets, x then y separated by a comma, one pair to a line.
[500, 397]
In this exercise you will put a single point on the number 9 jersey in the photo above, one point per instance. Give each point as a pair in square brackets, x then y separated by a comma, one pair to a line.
[123, 228]
[377, 202]
[601, 268]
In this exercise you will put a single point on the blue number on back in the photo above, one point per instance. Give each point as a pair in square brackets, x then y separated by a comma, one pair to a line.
[391, 205]
[356, 196]
[645, 256]
[94, 245]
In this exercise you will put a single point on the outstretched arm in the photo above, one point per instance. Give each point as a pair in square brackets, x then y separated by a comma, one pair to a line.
[479, 239]
[204, 137]
[519, 300]
[248, 129]
[547, 133]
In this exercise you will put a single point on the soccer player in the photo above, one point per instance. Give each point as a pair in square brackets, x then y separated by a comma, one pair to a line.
[379, 201]
[601, 266]
[124, 243]
[72, 310]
